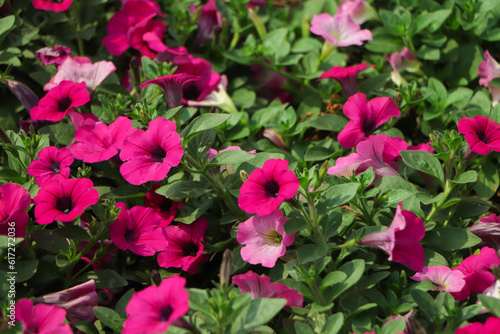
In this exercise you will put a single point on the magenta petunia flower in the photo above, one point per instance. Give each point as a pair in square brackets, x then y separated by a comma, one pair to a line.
[55, 56]
[55, 5]
[41, 318]
[164, 206]
[64, 200]
[477, 270]
[79, 119]
[81, 69]
[14, 200]
[346, 77]
[262, 287]
[52, 164]
[138, 230]
[402, 61]
[401, 239]
[185, 248]
[444, 278]
[378, 152]
[267, 187]
[491, 326]
[210, 20]
[172, 86]
[78, 301]
[149, 154]
[359, 10]
[154, 309]
[132, 26]
[100, 142]
[488, 70]
[488, 229]
[339, 30]
[60, 100]
[481, 133]
[364, 117]
[264, 238]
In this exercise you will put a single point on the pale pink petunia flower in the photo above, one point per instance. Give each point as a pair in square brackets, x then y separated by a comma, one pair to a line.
[339, 30]
[488, 229]
[149, 154]
[81, 69]
[346, 77]
[444, 278]
[262, 287]
[359, 10]
[99, 142]
[52, 163]
[402, 61]
[488, 70]
[155, 308]
[346, 166]
[264, 238]
[364, 117]
[41, 318]
[401, 239]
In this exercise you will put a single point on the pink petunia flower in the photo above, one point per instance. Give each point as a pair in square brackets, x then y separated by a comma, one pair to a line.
[264, 238]
[78, 301]
[149, 154]
[401, 239]
[81, 69]
[55, 5]
[491, 326]
[79, 119]
[41, 318]
[138, 230]
[267, 187]
[444, 278]
[481, 133]
[477, 270]
[52, 164]
[59, 101]
[64, 200]
[100, 142]
[488, 229]
[378, 152]
[172, 86]
[55, 56]
[346, 77]
[132, 26]
[154, 309]
[164, 206]
[364, 117]
[185, 248]
[402, 61]
[14, 200]
[262, 287]
[339, 30]
[488, 70]
[210, 20]
[359, 10]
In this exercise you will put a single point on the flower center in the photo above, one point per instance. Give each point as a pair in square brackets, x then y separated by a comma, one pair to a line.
[65, 204]
[56, 1]
[272, 189]
[165, 313]
[63, 104]
[129, 235]
[166, 205]
[482, 137]
[158, 154]
[190, 249]
[274, 237]
[190, 91]
[368, 127]
[55, 166]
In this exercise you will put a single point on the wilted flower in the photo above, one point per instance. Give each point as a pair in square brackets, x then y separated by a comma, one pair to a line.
[488, 229]
[53, 56]
[210, 20]
[264, 238]
[23, 93]
[401, 239]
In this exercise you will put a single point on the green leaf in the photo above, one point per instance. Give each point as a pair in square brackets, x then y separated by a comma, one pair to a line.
[450, 239]
[254, 314]
[310, 252]
[426, 303]
[274, 41]
[332, 278]
[333, 123]
[50, 242]
[203, 123]
[104, 279]
[121, 305]
[340, 194]
[424, 162]
[433, 258]
[318, 153]
[333, 323]
[394, 326]
[184, 189]
[6, 241]
[6, 24]
[25, 270]
[302, 328]
[295, 224]
[490, 303]
[306, 44]
[230, 157]
[466, 177]
[374, 83]
[489, 180]
[396, 189]
[198, 301]
[354, 271]
[73, 232]
[109, 318]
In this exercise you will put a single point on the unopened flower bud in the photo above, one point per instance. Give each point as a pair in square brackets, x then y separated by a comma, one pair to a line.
[225, 268]
[134, 68]
[156, 277]
[243, 175]
[275, 138]
[257, 22]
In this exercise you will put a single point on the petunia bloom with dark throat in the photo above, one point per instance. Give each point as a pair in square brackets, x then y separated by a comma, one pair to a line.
[481, 133]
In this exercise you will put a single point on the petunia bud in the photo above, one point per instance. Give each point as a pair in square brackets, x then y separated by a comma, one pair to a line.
[225, 268]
